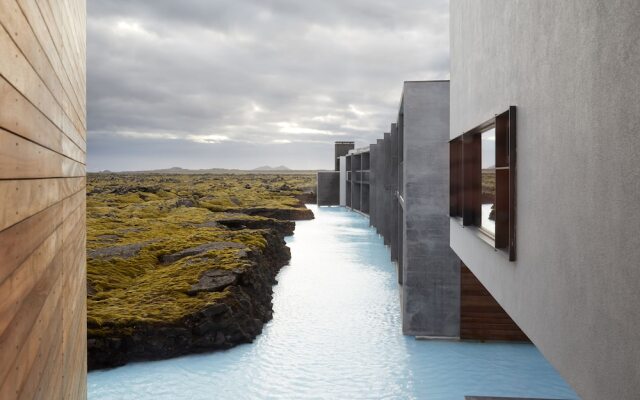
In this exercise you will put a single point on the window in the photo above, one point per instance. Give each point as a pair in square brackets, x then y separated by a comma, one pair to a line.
[455, 177]
[483, 180]
[488, 179]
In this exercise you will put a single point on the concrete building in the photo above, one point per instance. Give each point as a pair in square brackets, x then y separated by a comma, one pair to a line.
[429, 269]
[329, 183]
[357, 195]
[341, 150]
[554, 239]
[402, 183]
[43, 336]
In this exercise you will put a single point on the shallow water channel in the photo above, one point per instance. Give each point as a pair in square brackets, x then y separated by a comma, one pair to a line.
[336, 335]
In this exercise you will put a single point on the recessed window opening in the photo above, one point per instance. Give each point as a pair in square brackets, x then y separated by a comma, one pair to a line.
[483, 180]
[488, 195]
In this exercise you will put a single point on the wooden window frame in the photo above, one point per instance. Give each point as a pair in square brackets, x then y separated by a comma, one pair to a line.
[455, 178]
[465, 187]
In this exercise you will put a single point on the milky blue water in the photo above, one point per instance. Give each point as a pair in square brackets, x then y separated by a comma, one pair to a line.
[336, 335]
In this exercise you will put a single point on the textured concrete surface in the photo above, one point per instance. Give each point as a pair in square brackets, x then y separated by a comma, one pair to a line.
[431, 286]
[373, 208]
[341, 149]
[394, 189]
[572, 69]
[328, 188]
[377, 185]
[386, 194]
[343, 180]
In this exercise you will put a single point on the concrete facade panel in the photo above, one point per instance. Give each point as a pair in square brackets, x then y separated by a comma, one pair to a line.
[328, 188]
[431, 286]
[571, 68]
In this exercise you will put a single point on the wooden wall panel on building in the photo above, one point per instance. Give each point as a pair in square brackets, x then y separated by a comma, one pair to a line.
[481, 317]
[42, 199]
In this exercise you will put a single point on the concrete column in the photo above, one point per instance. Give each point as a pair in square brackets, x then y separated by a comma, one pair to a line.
[431, 271]
[343, 180]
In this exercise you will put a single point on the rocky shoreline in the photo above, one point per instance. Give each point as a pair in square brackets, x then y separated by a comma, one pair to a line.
[238, 318]
[184, 264]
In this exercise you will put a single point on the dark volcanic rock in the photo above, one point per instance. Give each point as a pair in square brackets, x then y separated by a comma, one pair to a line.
[194, 251]
[290, 214]
[125, 251]
[134, 189]
[214, 280]
[185, 202]
[235, 319]
[236, 222]
[309, 197]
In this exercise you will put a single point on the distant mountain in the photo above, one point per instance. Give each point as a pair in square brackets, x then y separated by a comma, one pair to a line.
[269, 168]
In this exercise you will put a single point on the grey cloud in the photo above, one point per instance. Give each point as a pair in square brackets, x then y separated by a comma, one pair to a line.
[249, 74]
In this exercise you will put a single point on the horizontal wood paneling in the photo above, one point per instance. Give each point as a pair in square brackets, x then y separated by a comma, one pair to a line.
[22, 159]
[17, 26]
[31, 11]
[40, 194]
[42, 199]
[17, 70]
[14, 108]
[481, 317]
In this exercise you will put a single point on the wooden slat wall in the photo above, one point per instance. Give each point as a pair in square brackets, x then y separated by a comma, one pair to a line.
[481, 317]
[42, 199]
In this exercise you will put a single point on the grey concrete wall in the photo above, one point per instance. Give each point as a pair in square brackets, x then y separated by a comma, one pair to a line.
[572, 69]
[341, 149]
[431, 286]
[393, 175]
[379, 188]
[343, 180]
[364, 202]
[386, 194]
[373, 209]
[349, 167]
[328, 188]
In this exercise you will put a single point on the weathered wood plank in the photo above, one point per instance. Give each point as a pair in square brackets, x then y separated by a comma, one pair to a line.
[70, 61]
[22, 281]
[20, 241]
[24, 198]
[40, 381]
[22, 159]
[74, 315]
[43, 199]
[36, 21]
[481, 317]
[17, 70]
[19, 345]
[18, 28]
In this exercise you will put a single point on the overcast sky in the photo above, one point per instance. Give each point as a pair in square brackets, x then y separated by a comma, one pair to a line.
[245, 83]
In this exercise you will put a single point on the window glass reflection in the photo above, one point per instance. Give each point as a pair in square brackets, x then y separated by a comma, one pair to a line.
[488, 197]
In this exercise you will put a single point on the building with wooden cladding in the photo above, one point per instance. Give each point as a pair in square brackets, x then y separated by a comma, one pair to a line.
[42, 199]
[563, 256]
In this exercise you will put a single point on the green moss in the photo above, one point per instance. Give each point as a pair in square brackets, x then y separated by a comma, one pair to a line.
[142, 210]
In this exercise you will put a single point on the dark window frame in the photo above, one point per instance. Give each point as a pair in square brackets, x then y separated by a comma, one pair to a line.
[465, 186]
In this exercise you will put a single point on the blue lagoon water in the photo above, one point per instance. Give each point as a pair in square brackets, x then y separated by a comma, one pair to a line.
[336, 335]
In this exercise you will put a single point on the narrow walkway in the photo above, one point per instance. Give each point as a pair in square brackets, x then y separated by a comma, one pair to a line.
[336, 335]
